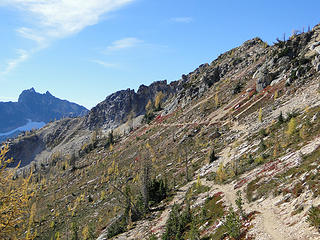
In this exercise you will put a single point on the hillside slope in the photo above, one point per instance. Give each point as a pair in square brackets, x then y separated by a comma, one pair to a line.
[248, 121]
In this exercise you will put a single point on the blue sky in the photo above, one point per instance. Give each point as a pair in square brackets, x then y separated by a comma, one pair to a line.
[83, 50]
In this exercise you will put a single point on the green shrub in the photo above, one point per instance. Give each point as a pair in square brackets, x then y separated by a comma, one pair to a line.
[153, 237]
[314, 217]
[177, 223]
[280, 118]
[117, 227]
[237, 88]
[259, 160]
[263, 132]
[212, 156]
[110, 140]
[158, 190]
[75, 229]
[148, 117]
[239, 203]
[233, 224]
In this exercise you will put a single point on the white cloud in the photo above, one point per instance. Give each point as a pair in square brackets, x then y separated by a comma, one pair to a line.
[11, 64]
[182, 19]
[31, 34]
[55, 19]
[124, 43]
[61, 18]
[104, 64]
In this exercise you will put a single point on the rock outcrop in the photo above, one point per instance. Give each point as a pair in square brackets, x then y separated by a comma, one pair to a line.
[118, 107]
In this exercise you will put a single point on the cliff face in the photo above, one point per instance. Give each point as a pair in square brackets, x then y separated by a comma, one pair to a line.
[36, 107]
[119, 106]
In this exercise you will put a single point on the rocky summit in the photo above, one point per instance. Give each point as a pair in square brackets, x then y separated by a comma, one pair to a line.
[229, 151]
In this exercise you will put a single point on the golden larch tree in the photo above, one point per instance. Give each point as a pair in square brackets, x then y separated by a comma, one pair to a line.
[15, 199]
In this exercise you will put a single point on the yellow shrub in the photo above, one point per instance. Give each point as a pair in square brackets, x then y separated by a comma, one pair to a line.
[260, 115]
[15, 197]
[85, 232]
[291, 126]
[303, 132]
[221, 173]
[259, 160]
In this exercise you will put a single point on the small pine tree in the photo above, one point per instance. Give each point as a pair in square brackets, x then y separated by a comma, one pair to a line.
[239, 203]
[57, 236]
[149, 115]
[157, 101]
[216, 100]
[314, 217]
[110, 137]
[233, 224]
[221, 174]
[194, 231]
[291, 127]
[153, 237]
[85, 232]
[149, 107]
[303, 132]
[275, 95]
[280, 118]
[75, 229]
[212, 157]
[31, 223]
[199, 184]
[88, 232]
[72, 161]
[260, 115]
[275, 149]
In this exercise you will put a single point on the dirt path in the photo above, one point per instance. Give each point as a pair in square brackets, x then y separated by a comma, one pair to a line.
[274, 222]
[272, 226]
[269, 225]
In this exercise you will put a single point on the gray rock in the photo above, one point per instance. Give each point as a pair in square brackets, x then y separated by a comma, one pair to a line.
[117, 107]
[264, 78]
[314, 45]
[211, 77]
[316, 63]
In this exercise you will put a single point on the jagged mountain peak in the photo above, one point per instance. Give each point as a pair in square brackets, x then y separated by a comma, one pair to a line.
[36, 107]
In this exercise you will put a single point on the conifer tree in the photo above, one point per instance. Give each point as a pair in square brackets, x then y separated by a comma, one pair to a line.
[14, 198]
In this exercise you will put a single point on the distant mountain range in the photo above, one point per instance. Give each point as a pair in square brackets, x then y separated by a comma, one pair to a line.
[34, 110]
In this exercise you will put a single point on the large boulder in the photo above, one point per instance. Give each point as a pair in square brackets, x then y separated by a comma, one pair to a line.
[263, 78]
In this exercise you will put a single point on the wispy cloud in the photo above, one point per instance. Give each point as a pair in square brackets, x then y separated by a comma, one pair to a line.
[56, 19]
[12, 63]
[124, 43]
[30, 34]
[104, 64]
[182, 19]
